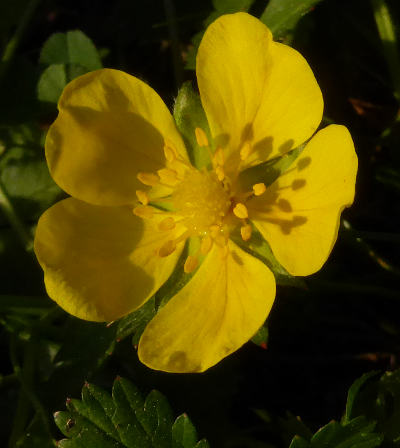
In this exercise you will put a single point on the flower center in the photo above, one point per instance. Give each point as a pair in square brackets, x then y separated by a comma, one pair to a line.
[201, 200]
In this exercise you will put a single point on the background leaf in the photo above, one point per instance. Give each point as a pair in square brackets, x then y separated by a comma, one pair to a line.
[124, 420]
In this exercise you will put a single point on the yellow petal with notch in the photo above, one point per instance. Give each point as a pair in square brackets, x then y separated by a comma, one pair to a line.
[299, 214]
[101, 263]
[201, 324]
[255, 91]
[110, 126]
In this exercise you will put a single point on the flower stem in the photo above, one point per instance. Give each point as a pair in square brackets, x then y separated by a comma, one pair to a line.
[13, 43]
[16, 223]
[388, 38]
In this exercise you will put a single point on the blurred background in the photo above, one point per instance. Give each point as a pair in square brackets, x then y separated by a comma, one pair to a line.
[340, 323]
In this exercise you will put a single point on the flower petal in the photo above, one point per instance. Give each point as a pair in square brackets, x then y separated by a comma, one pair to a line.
[220, 309]
[110, 127]
[100, 263]
[255, 90]
[299, 215]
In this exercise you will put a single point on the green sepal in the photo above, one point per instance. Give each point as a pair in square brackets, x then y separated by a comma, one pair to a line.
[261, 337]
[259, 248]
[189, 115]
[268, 172]
[282, 16]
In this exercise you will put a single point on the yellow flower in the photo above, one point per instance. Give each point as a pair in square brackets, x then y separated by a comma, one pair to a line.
[136, 198]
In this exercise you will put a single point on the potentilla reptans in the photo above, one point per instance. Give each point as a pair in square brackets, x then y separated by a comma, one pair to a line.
[136, 198]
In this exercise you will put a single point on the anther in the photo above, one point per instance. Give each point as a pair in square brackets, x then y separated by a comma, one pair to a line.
[167, 224]
[240, 210]
[245, 151]
[259, 189]
[218, 157]
[169, 152]
[191, 264]
[167, 249]
[149, 179]
[143, 211]
[220, 173]
[206, 244]
[142, 197]
[245, 231]
[167, 176]
[201, 137]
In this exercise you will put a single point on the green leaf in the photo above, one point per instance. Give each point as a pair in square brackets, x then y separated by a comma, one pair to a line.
[27, 181]
[358, 433]
[124, 420]
[354, 390]
[378, 398]
[52, 83]
[282, 16]
[184, 434]
[73, 47]
[189, 115]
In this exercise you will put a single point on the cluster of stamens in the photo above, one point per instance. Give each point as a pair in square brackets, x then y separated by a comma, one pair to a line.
[201, 202]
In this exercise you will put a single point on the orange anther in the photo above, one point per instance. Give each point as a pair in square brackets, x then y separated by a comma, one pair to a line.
[167, 224]
[201, 137]
[259, 189]
[167, 249]
[142, 197]
[191, 264]
[144, 211]
[149, 179]
[240, 210]
[245, 231]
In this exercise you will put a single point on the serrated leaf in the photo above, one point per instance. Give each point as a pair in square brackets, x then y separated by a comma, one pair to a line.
[73, 47]
[379, 400]
[189, 114]
[282, 16]
[353, 392]
[124, 420]
[52, 83]
[358, 433]
[184, 434]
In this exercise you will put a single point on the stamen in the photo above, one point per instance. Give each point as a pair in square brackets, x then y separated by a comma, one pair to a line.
[168, 176]
[144, 211]
[149, 179]
[167, 249]
[167, 224]
[218, 157]
[191, 264]
[201, 137]
[142, 197]
[245, 231]
[215, 231]
[206, 244]
[219, 171]
[245, 151]
[169, 152]
[240, 211]
[259, 189]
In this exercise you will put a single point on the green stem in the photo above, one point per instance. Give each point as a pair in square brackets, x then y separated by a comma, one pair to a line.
[13, 43]
[175, 47]
[27, 396]
[9, 211]
[388, 38]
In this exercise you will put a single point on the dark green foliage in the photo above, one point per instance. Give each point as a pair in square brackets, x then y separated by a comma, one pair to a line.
[124, 420]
